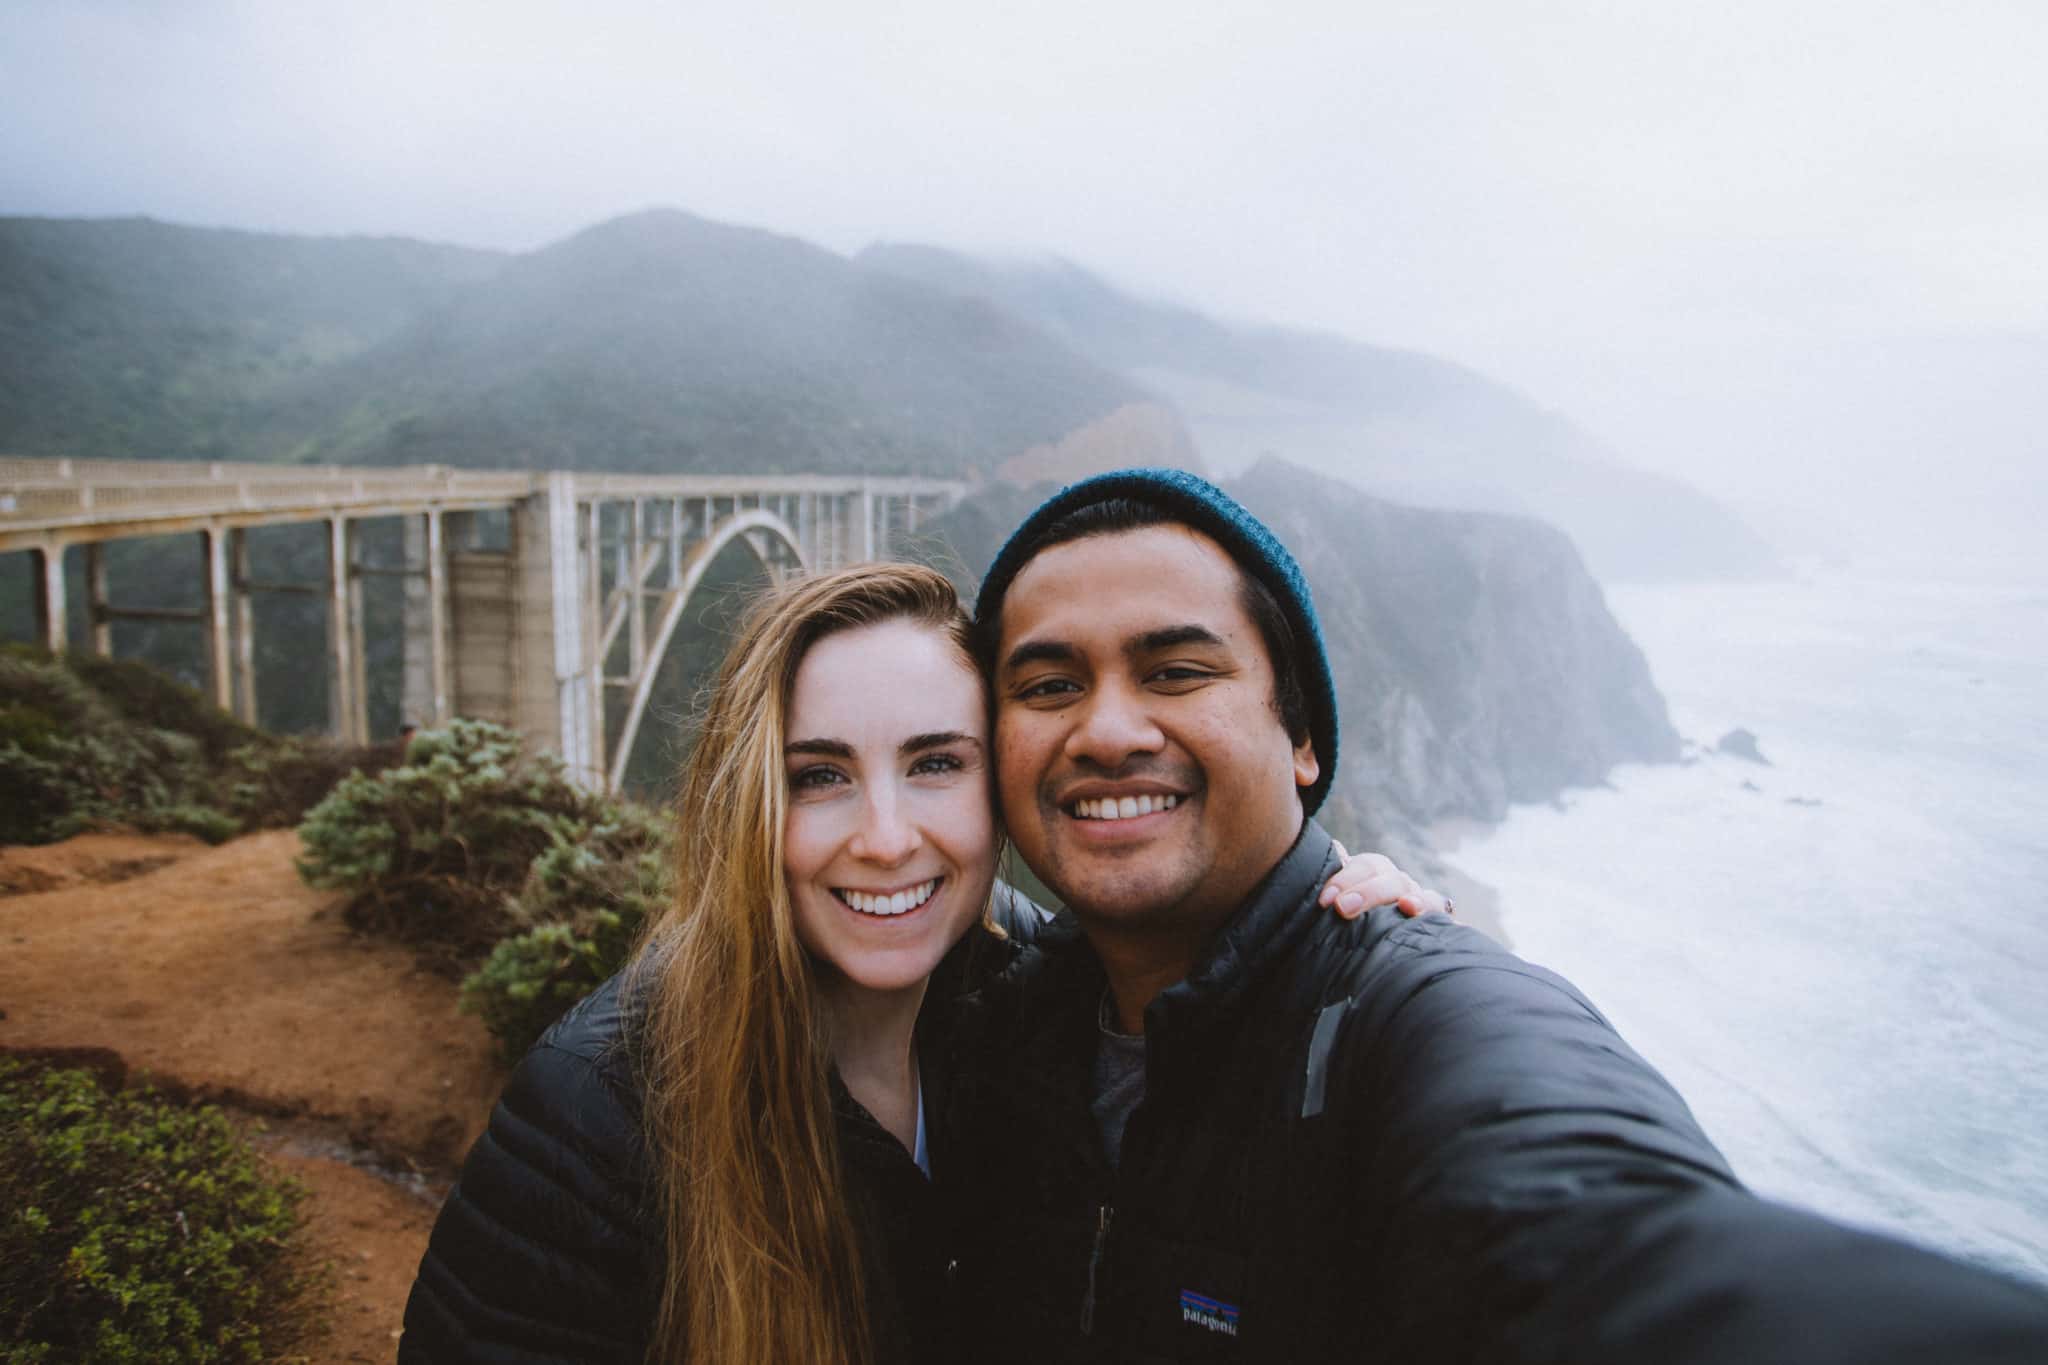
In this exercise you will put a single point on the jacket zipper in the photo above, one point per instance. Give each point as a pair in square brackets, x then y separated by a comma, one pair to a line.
[1103, 1214]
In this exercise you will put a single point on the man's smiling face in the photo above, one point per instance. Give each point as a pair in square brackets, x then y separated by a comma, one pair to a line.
[1144, 771]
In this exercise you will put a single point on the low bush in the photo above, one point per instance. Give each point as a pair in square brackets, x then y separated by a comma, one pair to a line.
[132, 1230]
[70, 761]
[496, 865]
[272, 784]
[587, 896]
[87, 743]
[154, 700]
[433, 851]
[531, 979]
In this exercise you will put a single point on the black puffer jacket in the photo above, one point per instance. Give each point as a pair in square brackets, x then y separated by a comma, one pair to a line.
[547, 1250]
[1393, 1140]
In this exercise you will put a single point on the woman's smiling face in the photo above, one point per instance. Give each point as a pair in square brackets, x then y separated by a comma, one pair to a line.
[889, 846]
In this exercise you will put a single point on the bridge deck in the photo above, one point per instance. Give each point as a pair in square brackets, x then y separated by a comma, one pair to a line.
[86, 500]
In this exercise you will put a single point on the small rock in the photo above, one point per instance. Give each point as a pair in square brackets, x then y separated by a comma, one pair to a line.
[1749, 786]
[1740, 743]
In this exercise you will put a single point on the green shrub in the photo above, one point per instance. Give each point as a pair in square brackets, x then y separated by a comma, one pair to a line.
[156, 701]
[432, 851]
[69, 761]
[203, 822]
[88, 742]
[531, 979]
[132, 1230]
[587, 895]
[273, 783]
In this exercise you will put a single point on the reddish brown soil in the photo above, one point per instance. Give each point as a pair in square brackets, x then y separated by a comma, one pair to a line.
[218, 974]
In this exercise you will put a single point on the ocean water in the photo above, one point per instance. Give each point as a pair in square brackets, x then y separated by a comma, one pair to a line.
[1840, 959]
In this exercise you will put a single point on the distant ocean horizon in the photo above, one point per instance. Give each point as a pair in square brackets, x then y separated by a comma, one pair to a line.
[1841, 958]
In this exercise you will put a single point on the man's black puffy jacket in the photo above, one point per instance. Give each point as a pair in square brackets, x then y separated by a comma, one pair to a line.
[1393, 1140]
[546, 1249]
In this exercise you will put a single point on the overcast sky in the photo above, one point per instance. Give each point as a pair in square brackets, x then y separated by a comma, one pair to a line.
[1787, 248]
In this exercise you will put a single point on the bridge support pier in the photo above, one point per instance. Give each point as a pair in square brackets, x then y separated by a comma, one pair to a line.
[219, 606]
[244, 602]
[425, 693]
[100, 622]
[52, 622]
[347, 717]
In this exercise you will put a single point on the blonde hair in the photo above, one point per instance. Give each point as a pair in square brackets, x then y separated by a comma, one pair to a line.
[763, 1262]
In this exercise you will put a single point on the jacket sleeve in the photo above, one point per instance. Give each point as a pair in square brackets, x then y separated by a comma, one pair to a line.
[1532, 1190]
[538, 1253]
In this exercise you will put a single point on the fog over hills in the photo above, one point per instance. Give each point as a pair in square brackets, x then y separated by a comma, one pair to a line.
[665, 341]
[1400, 424]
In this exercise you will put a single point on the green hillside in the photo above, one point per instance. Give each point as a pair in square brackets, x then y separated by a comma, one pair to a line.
[138, 339]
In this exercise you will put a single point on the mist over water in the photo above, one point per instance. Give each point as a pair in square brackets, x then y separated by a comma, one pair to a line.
[1839, 958]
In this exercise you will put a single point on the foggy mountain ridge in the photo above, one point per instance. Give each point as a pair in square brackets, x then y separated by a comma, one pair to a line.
[1402, 424]
[657, 341]
[664, 341]
[1477, 663]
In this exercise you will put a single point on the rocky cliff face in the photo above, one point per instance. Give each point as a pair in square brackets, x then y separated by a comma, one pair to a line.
[1477, 663]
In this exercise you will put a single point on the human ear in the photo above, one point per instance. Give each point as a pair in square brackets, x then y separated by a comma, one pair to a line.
[1306, 769]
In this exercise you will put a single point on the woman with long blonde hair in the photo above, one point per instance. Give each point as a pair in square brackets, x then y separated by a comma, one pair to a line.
[722, 1155]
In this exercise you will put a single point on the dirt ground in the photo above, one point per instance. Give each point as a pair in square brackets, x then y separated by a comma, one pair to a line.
[220, 975]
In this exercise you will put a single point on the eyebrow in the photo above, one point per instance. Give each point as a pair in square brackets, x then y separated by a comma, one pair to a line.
[831, 748]
[916, 744]
[937, 739]
[1151, 642]
[1172, 637]
[1040, 652]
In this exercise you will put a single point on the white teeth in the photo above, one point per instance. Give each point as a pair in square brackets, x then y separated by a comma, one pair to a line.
[1123, 807]
[899, 903]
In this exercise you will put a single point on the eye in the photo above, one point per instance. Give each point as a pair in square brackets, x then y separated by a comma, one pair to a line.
[1180, 673]
[928, 765]
[1043, 689]
[817, 777]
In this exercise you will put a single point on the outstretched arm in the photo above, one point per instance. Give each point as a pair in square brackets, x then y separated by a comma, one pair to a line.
[1530, 1189]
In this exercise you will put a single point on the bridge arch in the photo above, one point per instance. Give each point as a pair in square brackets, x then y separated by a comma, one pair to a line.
[762, 532]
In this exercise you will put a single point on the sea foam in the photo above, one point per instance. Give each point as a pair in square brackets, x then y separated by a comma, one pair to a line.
[1841, 958]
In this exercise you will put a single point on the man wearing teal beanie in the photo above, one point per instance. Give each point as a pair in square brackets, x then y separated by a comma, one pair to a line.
[1212, 1123]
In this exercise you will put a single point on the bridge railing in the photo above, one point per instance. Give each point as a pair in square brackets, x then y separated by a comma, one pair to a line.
[52, 494]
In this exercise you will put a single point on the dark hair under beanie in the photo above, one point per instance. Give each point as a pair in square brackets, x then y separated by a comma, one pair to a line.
[1197, 503]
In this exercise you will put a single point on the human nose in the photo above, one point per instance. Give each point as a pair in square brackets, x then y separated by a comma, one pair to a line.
[1114, 726]
[885, 836]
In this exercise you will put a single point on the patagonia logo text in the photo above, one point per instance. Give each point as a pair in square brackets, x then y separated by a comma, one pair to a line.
[1211, 1315]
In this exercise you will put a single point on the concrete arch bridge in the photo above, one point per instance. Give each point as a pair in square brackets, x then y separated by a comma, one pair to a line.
[529, 598]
